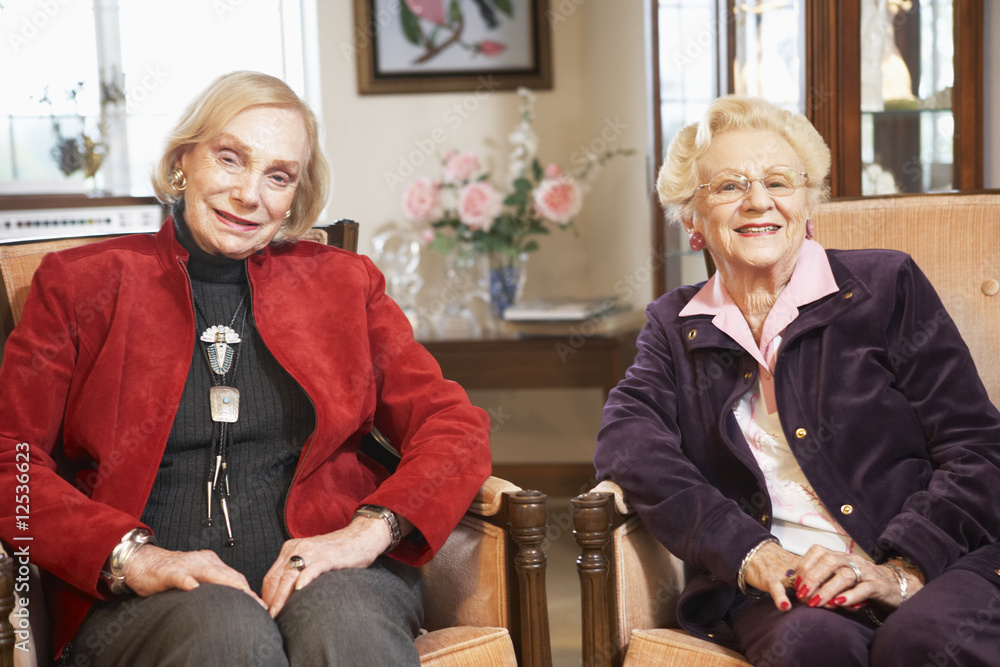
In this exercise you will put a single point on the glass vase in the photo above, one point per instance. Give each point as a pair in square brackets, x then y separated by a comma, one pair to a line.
[506, 281]
[462, 284]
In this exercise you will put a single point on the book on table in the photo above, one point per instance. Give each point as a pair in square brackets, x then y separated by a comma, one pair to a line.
[569, 317]
[559, 309]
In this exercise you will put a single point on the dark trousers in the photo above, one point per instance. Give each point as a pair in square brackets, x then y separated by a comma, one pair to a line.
[354, 618]
[954, 621]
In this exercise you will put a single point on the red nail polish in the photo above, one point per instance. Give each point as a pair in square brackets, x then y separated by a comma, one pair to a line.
[802, 592]
[785, 606]
[839, 600]
[858, 605]
[814, 602]
[798, 582]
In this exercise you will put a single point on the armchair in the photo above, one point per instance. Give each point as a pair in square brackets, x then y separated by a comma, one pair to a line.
[629, 581]
[485, 597]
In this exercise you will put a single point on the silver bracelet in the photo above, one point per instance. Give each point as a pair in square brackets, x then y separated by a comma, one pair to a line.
[904, 587]
[901, 580]
[114, 567]
[741, 576]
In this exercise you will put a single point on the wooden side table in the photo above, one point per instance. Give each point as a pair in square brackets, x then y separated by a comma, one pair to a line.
[544, 362]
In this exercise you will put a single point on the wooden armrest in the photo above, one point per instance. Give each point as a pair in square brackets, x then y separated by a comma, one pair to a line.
[528, 525]
[489, 500]
[628, 579]
[592, 518]
[491, 571]
[618, 496]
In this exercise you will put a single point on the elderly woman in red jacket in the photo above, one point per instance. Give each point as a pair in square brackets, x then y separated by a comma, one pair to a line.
[207, 389]
[826, 479]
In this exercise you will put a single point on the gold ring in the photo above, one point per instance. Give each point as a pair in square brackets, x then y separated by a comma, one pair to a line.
[297, 563]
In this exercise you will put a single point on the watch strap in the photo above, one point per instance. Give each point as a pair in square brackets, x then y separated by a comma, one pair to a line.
[387, 515]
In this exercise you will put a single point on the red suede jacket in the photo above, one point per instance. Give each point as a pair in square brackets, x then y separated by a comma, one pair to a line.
[93, 374]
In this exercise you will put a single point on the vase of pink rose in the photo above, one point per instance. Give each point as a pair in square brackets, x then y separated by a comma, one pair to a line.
[465, 207]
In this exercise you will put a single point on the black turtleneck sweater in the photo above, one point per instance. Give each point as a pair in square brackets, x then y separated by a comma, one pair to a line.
[275, 418]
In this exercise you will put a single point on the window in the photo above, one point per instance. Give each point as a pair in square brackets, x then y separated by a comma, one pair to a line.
[707, 49]
[690, 75]
[92, 86]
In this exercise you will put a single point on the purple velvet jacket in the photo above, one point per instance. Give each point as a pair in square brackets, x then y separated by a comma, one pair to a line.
[880, 402]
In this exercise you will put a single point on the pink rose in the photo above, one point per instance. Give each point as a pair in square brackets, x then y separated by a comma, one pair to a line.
[553, 171]
[422, 201]
[478, 204]
[460, 167]
[558, 199]
[491, 48]
[427, 235]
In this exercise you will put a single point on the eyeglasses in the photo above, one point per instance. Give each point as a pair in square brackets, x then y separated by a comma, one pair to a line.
[779, 182]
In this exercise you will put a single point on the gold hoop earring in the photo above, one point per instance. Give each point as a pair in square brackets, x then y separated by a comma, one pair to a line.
[288, 215]
[177, 180]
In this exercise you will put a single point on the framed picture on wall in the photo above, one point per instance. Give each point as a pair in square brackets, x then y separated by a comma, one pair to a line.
[421, 46]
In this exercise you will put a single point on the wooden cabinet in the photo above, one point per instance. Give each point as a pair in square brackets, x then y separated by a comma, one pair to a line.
[824, 58]
[894, 86]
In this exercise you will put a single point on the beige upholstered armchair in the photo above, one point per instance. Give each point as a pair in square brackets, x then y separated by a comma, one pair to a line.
[485, 597]
[629, 581]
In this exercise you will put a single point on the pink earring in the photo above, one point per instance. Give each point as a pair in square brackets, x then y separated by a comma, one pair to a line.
[697, 241]
[809, 228]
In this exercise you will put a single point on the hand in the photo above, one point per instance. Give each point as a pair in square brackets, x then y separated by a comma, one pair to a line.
[356, 546]
[153, 570]
[768, 571]
[826, 578]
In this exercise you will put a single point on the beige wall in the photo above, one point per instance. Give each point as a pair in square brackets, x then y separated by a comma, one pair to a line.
[598, 53]
[599, 93]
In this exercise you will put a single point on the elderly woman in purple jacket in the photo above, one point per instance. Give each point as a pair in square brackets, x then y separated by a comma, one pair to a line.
[825, 475]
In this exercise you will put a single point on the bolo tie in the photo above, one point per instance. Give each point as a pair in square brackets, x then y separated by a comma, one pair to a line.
[222, 353]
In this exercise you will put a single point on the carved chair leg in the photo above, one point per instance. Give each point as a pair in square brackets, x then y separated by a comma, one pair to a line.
[528, 524]
[591, 527]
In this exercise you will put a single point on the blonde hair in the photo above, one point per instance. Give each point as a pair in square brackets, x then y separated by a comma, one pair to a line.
[224, 99]
[678, 177]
